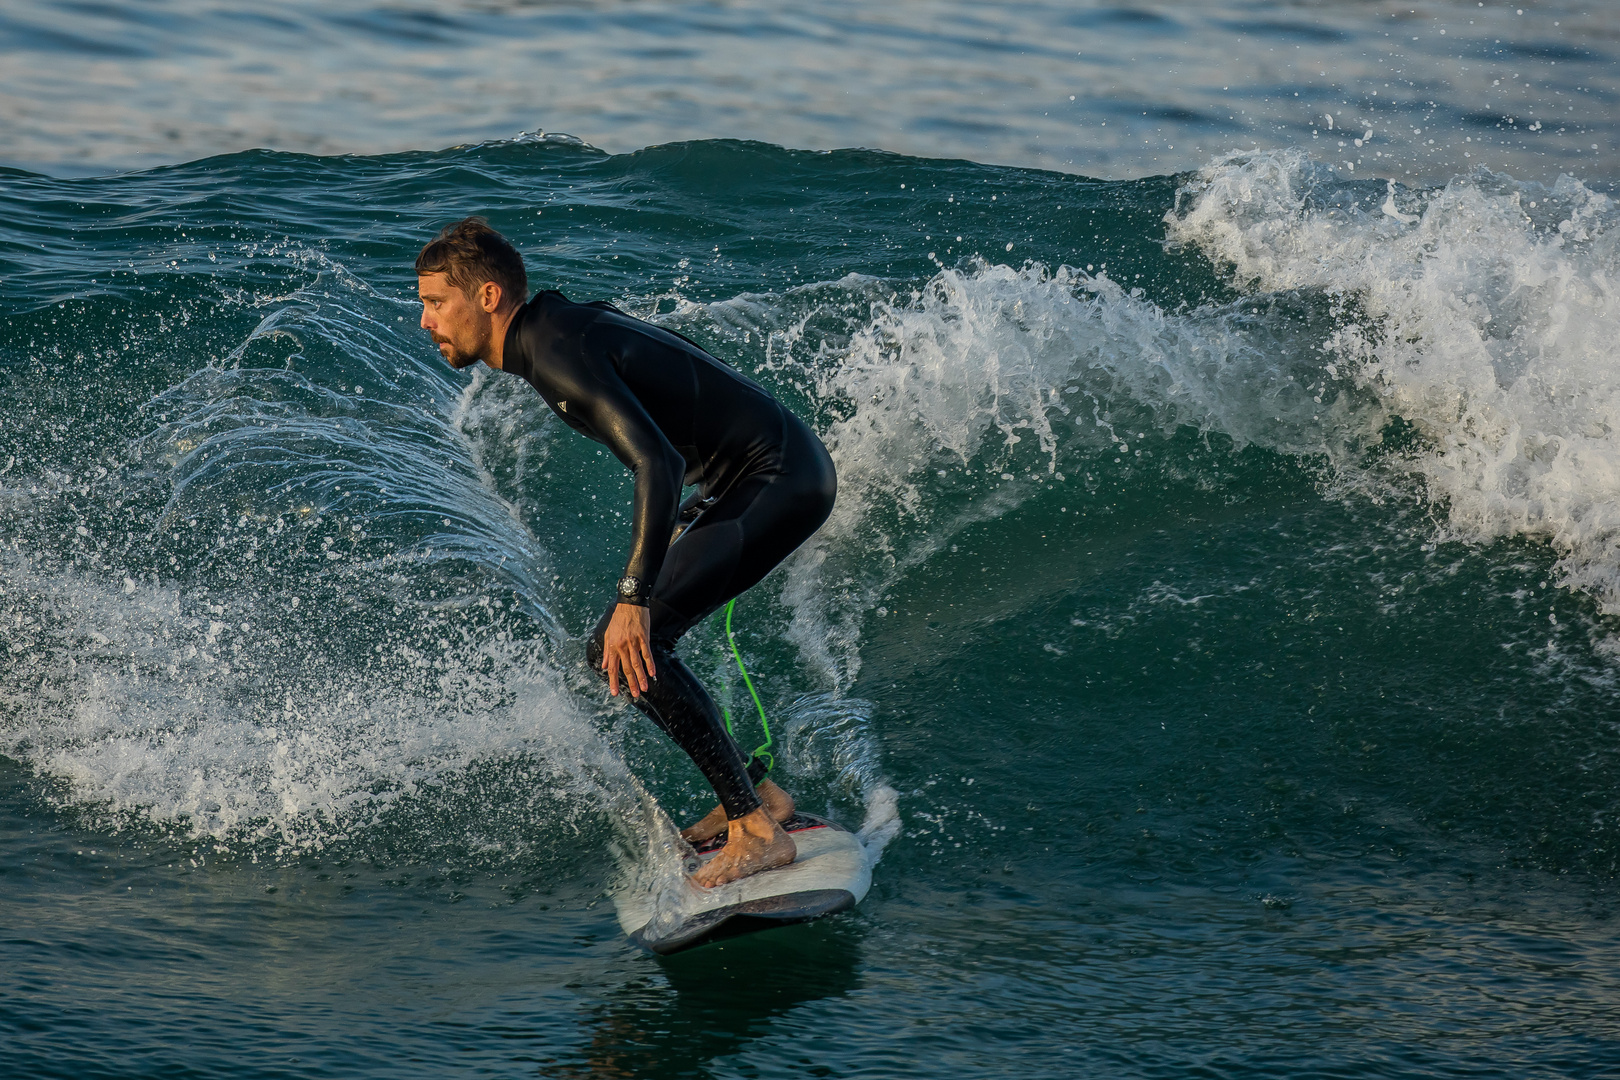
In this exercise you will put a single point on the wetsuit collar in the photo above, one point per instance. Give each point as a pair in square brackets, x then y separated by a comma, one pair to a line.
[513, 358]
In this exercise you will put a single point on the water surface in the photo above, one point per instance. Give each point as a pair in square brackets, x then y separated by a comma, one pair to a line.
[1099, 87]
[1215, 640]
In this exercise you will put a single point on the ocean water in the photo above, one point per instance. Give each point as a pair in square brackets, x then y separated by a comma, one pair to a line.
[1215, 643]
[1105, 88]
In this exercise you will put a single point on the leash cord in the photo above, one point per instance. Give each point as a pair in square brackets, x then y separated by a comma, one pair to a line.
[763, 751]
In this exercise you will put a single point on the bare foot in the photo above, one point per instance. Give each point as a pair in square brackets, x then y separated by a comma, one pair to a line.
[778, 804]
[756, 843]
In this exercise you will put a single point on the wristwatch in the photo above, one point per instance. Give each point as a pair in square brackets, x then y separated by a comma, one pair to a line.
[632, 591]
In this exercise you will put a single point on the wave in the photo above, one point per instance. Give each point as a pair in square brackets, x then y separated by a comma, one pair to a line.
[319, 581]
[1486, 320]
[309, 599]
[958, 401]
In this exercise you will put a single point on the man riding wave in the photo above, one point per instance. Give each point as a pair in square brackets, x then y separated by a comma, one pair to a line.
[674, 416]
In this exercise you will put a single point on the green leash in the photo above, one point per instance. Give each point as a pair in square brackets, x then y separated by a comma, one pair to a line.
[763, 751]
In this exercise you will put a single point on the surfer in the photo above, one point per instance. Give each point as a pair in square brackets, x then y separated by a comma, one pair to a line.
[674, 416]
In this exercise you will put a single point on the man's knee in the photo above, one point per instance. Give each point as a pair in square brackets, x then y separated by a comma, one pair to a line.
[594, 653]
[595, 649]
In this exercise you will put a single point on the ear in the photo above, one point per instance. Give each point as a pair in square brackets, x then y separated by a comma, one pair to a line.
[490, 297]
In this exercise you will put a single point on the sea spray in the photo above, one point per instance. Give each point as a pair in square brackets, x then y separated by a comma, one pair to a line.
[957, 401]
[296, 603]
[300, 442]
[178, 705]
[1488, 315]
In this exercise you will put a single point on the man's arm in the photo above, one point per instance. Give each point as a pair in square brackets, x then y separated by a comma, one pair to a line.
[587, 380]
[594, 392]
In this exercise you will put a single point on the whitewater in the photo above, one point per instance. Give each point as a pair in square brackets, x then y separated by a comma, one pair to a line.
[1214, 643]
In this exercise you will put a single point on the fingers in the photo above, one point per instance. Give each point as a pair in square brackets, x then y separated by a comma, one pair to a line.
[636, 671]
[623, 661]
[646, 652]
[627, 651]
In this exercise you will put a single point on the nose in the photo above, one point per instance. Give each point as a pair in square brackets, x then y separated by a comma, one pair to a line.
[423, 322]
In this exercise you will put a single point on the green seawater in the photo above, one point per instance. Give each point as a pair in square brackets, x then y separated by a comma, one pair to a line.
[1215, 641]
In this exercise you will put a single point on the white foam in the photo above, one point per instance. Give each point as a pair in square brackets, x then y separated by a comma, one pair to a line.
[1482, 320]
[158, 705]
[278, 691]
[1489, 320]
[955, 402]
[882, 822]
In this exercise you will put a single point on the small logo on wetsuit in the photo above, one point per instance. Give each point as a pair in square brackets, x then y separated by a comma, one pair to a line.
[562, 406]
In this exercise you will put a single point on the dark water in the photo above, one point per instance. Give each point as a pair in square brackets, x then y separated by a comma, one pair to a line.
[1120, 88]
[1220, 604]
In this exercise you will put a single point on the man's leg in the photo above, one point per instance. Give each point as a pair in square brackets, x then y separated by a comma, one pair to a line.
[679, 705]
[728, 549]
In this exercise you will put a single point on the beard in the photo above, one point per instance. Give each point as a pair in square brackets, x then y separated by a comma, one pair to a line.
[454, 356]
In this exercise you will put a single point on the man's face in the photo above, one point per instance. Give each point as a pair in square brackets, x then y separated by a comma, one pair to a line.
[459, 324]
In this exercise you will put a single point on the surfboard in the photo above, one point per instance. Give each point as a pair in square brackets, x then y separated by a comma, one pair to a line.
[830, 874]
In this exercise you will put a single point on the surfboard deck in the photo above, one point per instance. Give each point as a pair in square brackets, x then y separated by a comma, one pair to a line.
[830, 874]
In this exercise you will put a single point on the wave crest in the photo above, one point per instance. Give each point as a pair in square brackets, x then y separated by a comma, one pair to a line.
[1488, 314]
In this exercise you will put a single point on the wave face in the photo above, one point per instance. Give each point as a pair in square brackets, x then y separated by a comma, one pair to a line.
[1485, 315]
[1207, 548]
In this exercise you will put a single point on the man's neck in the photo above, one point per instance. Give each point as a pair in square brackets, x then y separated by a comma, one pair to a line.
[500, 322]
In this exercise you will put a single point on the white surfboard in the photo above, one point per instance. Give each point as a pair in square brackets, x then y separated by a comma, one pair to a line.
[829, 874]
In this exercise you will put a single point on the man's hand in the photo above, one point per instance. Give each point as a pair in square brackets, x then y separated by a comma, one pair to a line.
[627, 650]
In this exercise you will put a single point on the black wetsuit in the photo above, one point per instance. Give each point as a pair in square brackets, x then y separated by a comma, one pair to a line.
[675, 415]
